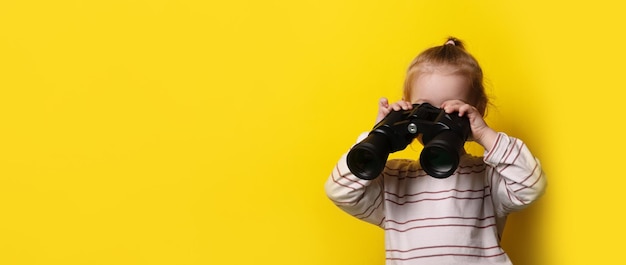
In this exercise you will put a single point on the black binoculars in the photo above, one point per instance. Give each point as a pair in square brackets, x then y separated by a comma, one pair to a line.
[442, 134]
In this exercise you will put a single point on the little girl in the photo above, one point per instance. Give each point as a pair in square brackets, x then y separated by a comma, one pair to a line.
[455, 220]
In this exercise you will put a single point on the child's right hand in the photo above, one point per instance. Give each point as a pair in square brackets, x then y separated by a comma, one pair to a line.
[384, 108]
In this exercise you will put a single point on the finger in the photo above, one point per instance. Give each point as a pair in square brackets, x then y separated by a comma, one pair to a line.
[467, 109]
[450, 108]
[407, 105]
[452, 102]
[403, 105]
[461, 109]
[446, 104]
[383, 103]
[396, 106]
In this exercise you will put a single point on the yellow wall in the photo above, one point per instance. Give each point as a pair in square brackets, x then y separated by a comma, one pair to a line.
[187, 132]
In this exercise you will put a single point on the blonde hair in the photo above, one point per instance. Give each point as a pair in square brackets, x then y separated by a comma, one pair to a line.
[451, 54]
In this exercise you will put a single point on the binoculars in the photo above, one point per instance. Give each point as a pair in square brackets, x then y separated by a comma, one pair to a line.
[442, 134]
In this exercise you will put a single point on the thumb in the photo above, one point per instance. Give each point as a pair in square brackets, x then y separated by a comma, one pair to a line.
[383, 109]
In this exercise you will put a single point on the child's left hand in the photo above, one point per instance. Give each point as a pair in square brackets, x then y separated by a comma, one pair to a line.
[481, 132]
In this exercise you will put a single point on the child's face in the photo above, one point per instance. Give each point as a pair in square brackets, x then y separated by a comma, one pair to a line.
[438, 86]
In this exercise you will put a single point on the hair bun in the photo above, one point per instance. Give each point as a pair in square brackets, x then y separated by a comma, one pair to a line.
[454, 42]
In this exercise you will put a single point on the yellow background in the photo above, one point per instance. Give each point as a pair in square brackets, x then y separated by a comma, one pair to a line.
[201, 132]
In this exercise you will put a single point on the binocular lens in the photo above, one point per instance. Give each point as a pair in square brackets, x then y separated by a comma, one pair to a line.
[363, 161]
[367, 159]
[440, 156]
[438, 162]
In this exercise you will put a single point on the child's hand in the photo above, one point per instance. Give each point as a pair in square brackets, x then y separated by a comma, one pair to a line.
[481, 132]
[384, 108]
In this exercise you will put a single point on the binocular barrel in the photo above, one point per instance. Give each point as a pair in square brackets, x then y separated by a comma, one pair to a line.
[440, 157]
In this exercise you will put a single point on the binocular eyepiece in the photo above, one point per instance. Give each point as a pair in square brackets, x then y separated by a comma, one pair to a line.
[442, 134]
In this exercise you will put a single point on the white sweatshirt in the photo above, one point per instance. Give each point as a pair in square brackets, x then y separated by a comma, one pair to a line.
[456, 220]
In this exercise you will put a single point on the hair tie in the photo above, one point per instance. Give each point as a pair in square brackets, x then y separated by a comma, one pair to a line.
[450, 42]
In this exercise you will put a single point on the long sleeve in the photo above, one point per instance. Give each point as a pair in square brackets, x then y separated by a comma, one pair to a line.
[361, 198]
[515, 175]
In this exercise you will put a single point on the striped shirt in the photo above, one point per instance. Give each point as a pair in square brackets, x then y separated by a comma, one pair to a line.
[456, 220]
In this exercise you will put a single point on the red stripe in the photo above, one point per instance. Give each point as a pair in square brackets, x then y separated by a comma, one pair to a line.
[426, 174]
[514, 159]
[440, 218]
[494, 147]
[345, 176]
[381, 222]
[510, 151]
[341, 176]
[511, 183]
[350, 201]
[370, 207]
[531, 185]
[471, 172]
[508, 192]
[420, 169]
[446, 225]
[407, 177]
[445, 246]
[332, 175]
[440, 199]
[519, 151]
[531, 174]
[434, 192]
[373, 210]
[492, 170]
[451, 254]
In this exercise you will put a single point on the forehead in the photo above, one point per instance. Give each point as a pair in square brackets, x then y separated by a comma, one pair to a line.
[439, 85]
